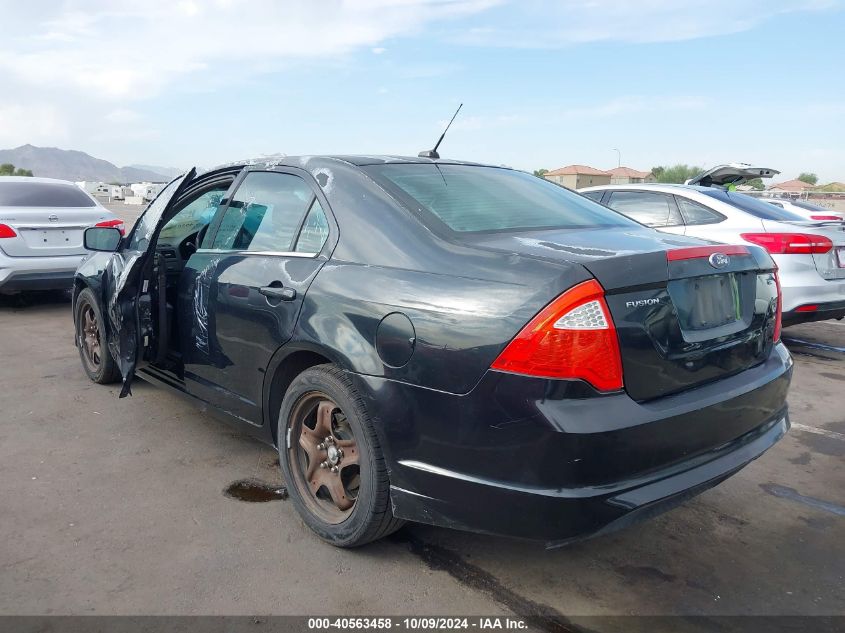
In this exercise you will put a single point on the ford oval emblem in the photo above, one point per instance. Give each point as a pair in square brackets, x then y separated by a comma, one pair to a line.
[719, 260]
[53, 218]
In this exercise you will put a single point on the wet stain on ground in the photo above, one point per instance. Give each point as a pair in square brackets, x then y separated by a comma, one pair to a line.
[785, 492]
[828, 374]
[800, 347]
[822, 444]
[644, 572]
[537, 615]
[802, 459]
[255, 491]
[819, 523]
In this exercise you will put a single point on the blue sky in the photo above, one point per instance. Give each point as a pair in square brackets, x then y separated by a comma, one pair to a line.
[544, 84]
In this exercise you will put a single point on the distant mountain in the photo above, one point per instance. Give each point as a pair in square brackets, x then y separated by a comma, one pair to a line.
[52, 162]
[170, 172]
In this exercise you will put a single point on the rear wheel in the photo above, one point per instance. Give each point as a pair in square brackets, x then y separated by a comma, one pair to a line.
[331, 459]
[91, 340]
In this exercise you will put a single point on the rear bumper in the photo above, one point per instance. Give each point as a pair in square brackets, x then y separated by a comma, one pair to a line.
[37, 273]
[803, 285]
[820, 312]
[576, 466]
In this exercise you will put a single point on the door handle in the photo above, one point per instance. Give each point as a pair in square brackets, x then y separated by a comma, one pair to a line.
[278, 292]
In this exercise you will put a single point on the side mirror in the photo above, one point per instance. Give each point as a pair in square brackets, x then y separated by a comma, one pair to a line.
[101, 238]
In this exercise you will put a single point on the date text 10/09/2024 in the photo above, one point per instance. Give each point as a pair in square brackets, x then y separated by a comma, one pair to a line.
[479, 623]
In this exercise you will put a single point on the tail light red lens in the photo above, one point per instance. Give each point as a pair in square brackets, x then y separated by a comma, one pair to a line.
[698, 252]
[7, 231]
[825, 217]
[117, 224]
[790, 243]
[779, 311]
[572, 337]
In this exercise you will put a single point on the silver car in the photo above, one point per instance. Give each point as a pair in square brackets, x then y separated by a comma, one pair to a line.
[41, 225]
[810, 255]
[808, 210]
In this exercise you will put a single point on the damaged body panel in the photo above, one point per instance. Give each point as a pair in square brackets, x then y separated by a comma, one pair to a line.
[420, 286]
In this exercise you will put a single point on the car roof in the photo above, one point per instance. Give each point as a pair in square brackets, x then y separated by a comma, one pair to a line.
[36, 179]
[359, 160]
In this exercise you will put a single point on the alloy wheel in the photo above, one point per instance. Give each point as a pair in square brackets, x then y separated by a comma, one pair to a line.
[324, 457]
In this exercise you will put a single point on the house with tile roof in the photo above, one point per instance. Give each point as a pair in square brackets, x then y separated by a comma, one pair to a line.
[578, 176]
[627, 176]
[791, 186]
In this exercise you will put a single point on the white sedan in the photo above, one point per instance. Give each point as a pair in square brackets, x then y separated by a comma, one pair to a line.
[41, 225]
[810, 255]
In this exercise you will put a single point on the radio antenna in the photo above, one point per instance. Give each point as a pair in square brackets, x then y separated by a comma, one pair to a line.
[432, 153]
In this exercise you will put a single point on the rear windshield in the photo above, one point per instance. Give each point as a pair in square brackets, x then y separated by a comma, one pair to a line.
[755, 207]
[809, 206]
[40, 194]
[469, 199]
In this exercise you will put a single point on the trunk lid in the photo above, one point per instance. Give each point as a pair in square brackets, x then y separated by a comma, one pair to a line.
[682, 317]
[731, 174]
[47, 232]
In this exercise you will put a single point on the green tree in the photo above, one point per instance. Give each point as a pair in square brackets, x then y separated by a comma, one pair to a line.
[8, 169]
[540, 172]
[756, 183]
[675, 173]
[809, 178]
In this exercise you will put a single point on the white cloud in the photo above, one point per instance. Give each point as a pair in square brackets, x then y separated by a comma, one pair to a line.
[127, 50]
[541, 24]
[31, 123]
[378, 50]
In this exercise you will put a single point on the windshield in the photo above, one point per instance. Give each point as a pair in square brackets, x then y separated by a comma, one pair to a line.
[755, 207]
[809, 206]
[40, 194]
[468, 198]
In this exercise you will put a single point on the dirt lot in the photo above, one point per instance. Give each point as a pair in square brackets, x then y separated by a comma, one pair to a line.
[119, 506]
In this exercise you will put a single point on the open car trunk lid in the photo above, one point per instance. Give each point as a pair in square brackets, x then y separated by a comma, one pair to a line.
[731, 174]
[689, 316]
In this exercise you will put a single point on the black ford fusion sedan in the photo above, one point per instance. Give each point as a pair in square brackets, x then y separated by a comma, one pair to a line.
[451, 343]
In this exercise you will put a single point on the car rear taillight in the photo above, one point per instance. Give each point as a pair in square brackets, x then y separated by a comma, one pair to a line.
[825, 217]
[7, 231]
[117, 224]
[572, 337]
[790, 243]
[778, 310]
[811, 307]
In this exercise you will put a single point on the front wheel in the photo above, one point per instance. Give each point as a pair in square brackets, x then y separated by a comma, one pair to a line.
[331, 460]
[91, 340]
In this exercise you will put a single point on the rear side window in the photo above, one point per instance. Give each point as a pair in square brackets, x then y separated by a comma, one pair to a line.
[647, 207]
[757, 208]
[468, 198]
[593, 195]
[264, 213]
[315, 230]
[695, 213]
[39, 194]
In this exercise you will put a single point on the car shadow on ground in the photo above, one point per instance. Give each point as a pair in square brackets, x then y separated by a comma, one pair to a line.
[35, 300]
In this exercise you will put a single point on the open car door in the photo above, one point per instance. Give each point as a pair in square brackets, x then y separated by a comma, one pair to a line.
[132, 297]
[731, 174]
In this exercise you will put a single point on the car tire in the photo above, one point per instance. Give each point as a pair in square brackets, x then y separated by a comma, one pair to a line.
[331, 459]
[92, 341]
